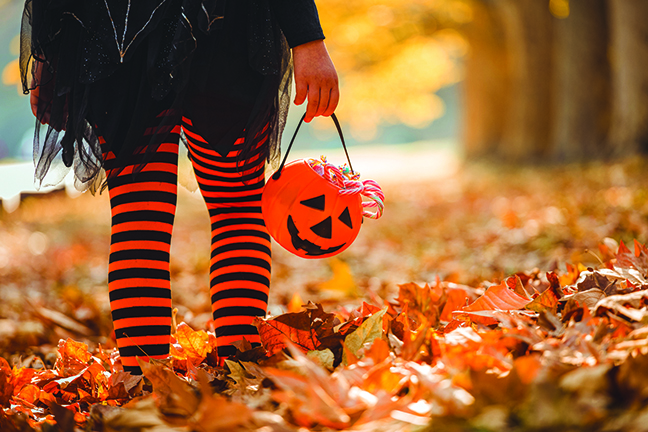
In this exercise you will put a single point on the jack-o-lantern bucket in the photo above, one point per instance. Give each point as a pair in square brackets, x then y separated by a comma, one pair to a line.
[315, 209]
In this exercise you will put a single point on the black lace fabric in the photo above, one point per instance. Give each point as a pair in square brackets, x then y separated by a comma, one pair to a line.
[123, 71]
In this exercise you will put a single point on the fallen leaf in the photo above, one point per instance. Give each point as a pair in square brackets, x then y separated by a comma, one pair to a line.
[215, 413]
[6, 382]
[456, 299]
[587, 298]
[497, 297]
[547, 301]
[324, 358]
[175, 396]
[369, 330]
[631, 306]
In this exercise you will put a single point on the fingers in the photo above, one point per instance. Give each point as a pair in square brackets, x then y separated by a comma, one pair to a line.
[313, 103]
[301, 87]
[323, 99]
[333, 101]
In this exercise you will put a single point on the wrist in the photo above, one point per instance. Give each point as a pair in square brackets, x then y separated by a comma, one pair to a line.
[317, 44]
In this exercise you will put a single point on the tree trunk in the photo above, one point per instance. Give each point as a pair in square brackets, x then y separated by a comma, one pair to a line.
[528, 28]
[485, 85]
[629, 54]
[582, 75]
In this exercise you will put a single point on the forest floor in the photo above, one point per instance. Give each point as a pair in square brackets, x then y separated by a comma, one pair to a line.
[491, 298]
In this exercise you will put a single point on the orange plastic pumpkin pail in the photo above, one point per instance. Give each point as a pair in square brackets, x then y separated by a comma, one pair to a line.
[317, 213]
[307, 215]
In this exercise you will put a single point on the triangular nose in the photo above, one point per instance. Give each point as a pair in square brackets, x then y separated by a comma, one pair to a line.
[323, 229]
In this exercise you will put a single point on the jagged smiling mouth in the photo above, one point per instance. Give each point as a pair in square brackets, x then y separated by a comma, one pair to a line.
[311, 248]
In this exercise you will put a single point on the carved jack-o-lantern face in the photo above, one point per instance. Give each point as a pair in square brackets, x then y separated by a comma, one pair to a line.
[307, 215]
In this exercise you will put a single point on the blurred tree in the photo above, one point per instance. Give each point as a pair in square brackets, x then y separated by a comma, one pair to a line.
[629, 49]
[527, 27]
[508, 79]
[581, 115]
[486, 82]
[557, 80]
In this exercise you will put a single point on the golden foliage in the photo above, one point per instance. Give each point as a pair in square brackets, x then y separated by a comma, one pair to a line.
[392, 57]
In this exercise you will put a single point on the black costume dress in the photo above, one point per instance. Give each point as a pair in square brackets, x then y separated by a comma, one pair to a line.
[114, 68]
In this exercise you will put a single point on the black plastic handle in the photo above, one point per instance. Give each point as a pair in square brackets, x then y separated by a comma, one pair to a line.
[277, 174]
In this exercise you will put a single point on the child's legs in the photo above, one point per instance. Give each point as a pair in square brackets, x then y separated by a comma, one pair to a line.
[143, 210]
[240, 247]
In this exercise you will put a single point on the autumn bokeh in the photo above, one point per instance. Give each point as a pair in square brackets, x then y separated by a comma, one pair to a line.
[508, 137]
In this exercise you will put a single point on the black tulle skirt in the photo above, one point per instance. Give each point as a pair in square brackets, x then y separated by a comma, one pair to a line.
[117, 68]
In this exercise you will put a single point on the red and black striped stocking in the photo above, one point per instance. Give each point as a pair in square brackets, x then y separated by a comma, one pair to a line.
[240, 246]
[143, 210]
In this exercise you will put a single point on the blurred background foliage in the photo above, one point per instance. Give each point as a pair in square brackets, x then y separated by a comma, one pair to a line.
[521, 80]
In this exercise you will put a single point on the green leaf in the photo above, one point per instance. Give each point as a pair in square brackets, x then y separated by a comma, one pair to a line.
[368, 331]
[323, 358]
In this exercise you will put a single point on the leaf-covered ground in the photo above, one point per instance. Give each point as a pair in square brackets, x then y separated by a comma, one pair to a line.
[499, 299]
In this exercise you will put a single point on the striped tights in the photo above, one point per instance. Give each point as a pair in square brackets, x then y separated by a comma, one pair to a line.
[143, 210]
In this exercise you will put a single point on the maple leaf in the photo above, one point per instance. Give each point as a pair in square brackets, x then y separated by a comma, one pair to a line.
[74, 357]
[596, 279]
[422, 299]
[637, 260]
[191, 346]
[305, 329]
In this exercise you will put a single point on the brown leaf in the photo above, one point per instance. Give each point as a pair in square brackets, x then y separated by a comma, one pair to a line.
[515, 283]
[140, 416]
[175, 396]
[305, 329]
[215, 413]
[275, 332]
[547, 301]
[596, 280]
[587, 298]
[637, 260]
[64, 417]
[554, 284]
[630, 306]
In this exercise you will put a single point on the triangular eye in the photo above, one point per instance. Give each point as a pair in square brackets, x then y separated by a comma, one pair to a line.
[345, 218]
[324, 228]
[317, 203]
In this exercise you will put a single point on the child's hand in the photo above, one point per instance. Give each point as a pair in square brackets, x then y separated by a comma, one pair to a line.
[315, 78]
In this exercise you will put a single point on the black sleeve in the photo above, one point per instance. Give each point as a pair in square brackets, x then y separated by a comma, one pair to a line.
[298, 20]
